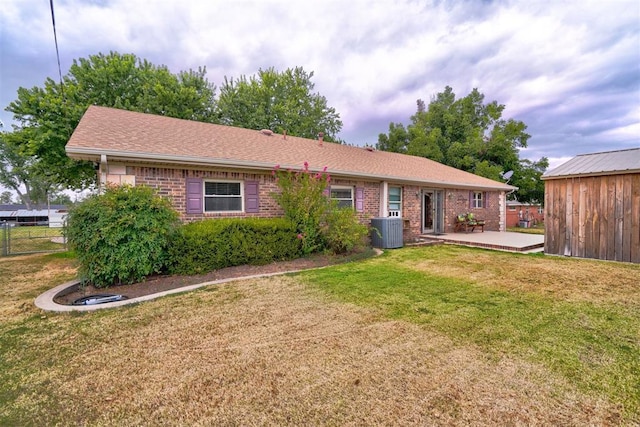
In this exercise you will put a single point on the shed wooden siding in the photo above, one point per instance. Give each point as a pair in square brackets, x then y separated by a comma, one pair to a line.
[594, 217]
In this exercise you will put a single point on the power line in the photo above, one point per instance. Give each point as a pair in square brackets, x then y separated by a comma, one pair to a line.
[55, 37]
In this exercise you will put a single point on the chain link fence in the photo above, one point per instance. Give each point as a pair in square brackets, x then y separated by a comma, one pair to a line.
[31, 237]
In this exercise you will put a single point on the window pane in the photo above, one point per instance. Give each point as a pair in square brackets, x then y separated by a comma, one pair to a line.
[395, 194]
[345, 203]
[341, 193]
[216, 204]
[344, 197]
[395, 199]
[477, 199]
[222, 188]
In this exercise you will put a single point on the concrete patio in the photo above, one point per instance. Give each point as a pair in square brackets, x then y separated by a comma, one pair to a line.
[504, 241]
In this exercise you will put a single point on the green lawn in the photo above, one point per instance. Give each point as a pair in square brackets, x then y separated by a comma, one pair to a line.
[592, 341]
[538, 229]
[26, 239]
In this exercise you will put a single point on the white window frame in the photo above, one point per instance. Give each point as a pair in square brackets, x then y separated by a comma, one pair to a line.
[394, 212]
[343, 188]
[478, 200]
[205, 196]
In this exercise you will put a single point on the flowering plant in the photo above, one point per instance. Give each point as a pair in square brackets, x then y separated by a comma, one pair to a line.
[304, 200]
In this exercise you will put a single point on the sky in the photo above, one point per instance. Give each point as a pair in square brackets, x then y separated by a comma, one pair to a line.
[570, 70]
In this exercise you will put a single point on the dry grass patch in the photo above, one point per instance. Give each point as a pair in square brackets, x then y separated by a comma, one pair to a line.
[569, 279]
[23, 278]
[279, 352]
[275, 352]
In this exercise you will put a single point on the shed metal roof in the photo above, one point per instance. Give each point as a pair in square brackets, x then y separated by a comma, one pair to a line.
[605, 163]
[24, 213]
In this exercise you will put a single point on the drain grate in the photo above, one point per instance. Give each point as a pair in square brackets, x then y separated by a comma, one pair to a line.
[99, 299]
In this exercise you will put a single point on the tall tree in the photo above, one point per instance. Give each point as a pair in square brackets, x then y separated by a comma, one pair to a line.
[6, 197]
[280, 102]
[468, 134]
[52, 112]
[527, 179]
[22, 173]
[59, 198]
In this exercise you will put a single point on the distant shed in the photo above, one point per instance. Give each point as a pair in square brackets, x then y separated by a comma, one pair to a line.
[592, 206]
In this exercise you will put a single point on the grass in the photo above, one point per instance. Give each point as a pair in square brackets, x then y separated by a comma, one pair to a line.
[577, 318]
[537, 229]
[28, 239]
[430, 336]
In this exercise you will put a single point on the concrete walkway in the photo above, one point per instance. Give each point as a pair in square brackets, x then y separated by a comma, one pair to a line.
[500, 240]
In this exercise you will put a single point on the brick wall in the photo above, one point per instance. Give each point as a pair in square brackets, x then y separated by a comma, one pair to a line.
[411, 212]
[457, 202]
[171, 183]
[520, 212]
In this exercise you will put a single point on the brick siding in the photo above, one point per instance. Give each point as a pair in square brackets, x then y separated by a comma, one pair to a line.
[457, 202]
[171, 183]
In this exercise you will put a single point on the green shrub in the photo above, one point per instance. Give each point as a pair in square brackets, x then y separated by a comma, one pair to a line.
[208, 245]
[342, 231]
[303, 199]
[121, 236]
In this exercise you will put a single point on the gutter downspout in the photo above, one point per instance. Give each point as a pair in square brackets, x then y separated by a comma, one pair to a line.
[102, 171]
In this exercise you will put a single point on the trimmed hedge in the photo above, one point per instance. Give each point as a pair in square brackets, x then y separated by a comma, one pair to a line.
[203, 246]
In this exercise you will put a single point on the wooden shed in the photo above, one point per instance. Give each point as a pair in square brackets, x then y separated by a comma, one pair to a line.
[592, 206]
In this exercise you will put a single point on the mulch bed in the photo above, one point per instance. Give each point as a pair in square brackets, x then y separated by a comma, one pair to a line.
[160, 283]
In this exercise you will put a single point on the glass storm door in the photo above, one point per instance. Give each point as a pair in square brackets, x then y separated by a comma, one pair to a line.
[427, 212]
[433, 211]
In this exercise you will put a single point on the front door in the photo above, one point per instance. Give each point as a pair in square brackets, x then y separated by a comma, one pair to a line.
[432, 212]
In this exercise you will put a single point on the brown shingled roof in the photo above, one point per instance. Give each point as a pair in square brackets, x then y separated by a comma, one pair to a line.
[126, 135]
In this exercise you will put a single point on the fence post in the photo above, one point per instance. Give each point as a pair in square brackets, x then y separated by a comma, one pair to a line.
[5, 238]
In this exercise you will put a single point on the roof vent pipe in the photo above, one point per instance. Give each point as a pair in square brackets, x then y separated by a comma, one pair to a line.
[320, 138]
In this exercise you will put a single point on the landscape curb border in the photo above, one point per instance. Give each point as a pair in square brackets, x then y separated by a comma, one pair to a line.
[45, 300]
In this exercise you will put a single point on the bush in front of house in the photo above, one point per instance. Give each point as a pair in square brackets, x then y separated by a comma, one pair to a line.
[121, 235]
[304, 200]
[321, 224]
[342, 231]
[203, 246]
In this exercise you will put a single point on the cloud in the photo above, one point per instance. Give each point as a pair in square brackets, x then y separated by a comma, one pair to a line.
[569, 70]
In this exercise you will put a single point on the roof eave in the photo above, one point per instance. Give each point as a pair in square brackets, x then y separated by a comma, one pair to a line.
[91, 154]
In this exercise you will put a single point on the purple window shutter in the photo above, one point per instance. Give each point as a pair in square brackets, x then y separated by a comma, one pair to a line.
[194, 195]
[485, 201]
[251, 197]
[470, 199]
[359, 199]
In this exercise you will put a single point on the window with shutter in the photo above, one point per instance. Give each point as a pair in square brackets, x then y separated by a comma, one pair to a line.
[342, 195]
[476, 199]
[251, 197]
[194, 195]
[223, 196]
[360, 199]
